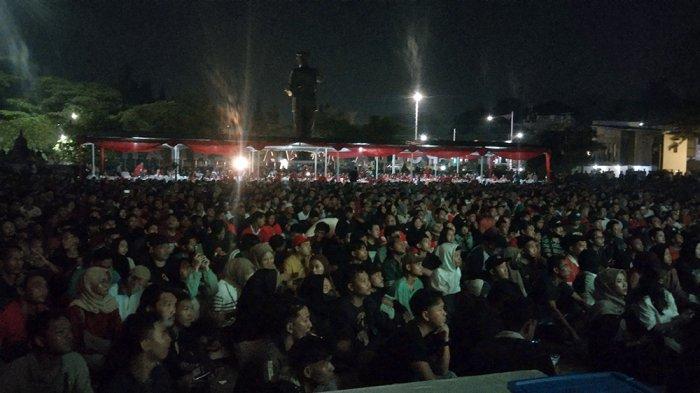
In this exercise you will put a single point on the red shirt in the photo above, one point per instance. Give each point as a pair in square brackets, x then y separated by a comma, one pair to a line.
[13, 324]
[105, 326]
[266, 232]
[574, 270]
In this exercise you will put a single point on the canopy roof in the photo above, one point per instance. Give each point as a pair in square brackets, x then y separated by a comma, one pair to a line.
[441, 149]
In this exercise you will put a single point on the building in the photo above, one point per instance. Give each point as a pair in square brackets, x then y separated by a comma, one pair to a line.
[680, 153]
[628, 144]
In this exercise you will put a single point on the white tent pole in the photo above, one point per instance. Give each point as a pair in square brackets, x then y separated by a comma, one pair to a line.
[393, 164]
[376, 167]
[337, 167]
[315, 164]
[325, 163]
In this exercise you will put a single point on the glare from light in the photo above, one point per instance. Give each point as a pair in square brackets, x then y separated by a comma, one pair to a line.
[521, 169]
[417, 96]
[489, 118]
[308, 173]
[443, 167]
[641, 124]
[519, 135]
[74, 116]
[63, 138]
[361, 149]
[284, 163]
[588, 153]
[423, 137]
[240, 163]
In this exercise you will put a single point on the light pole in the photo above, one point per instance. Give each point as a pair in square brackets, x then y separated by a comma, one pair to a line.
[510, 116]
[417, 97]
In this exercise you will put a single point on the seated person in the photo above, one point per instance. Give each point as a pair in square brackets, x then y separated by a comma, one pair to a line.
[33, 291]
[420, 351]
[311, 363]
[143, 345]
[128, 291]
[512, 349]
[556, 299]
[94, 317]
[410, 283]
[51, 366]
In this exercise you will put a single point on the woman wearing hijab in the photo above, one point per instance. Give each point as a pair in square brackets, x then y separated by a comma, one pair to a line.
[235, 274]
[607, 328]
[319, 295]
[664, 264]
[258, 290]
[447, 277]
[94, 316]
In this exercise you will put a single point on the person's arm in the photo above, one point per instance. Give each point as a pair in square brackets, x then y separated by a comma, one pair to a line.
[423, 369]
[210, 281]
[192, 283]
[444, 362]
[560, 317]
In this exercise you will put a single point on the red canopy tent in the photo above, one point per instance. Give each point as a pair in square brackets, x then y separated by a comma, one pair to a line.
[445, 150]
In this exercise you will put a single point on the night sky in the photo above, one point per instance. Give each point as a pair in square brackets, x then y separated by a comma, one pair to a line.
[373, 54]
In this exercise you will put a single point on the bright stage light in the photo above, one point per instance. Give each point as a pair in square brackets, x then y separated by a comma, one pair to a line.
[519, 135]
[489, 118]
[443, 167]
[423, 137]
[417, 96]
[240, 163]
[284, 163]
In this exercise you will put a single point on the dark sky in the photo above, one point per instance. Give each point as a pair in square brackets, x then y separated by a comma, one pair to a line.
[466, 52]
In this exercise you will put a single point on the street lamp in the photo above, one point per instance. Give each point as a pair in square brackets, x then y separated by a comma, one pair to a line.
[74, 116]
[417, 97]
[519, 135]
[506, 116]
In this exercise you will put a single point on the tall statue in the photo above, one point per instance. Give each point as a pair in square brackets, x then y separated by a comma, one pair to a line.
[302, 88]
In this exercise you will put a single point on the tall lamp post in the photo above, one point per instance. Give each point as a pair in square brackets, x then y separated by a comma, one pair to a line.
[510, 116]
[417, 97]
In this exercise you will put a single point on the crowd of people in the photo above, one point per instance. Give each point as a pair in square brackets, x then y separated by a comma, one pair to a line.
[150, 286]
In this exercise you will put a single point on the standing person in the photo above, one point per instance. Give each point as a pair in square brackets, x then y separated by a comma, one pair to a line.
[302, 88]
[51, 366]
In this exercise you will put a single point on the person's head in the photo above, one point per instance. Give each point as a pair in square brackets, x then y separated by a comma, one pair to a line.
[12, 260]
[357, 281]
[321, 230]
[428, 308]
[160, 301]
[425, 242]
[374, 231]
[597, 238]
[102, 257]
[557, 267]
[302, 245]
[663, 253]
[270, 218]
[263, 256]
[311, 359]
[376, 278]
[292, 318]
[318, 264]
[138, 279]
[519, 316]
[450, 255]
[237, 271]
[95, 283]
[498, 267]
[34, 289]
[556, 228]
[144, 334]
[397, 246]
[185, 313]
[257, 219]
[575, 245]
[158, 247]
[611, 281]
[121, 246]
[531, 248]
[637, 244]
[50, 332]
[358, 250]
[8, 229]
[657, 236]
[413, 265]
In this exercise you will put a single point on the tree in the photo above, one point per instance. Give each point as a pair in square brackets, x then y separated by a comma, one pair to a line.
[569, 146]
[165, 118]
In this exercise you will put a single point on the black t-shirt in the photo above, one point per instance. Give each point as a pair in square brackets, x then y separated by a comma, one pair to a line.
[498, 355]
[405, 347]
[351, 321]
[124, 382]
[431, 261]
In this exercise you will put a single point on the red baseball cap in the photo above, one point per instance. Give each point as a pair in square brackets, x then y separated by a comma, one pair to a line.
[298, 240]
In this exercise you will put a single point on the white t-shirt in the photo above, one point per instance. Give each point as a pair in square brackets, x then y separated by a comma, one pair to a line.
[649, 316]
[226, 297]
